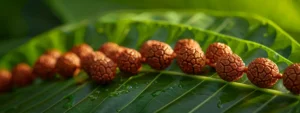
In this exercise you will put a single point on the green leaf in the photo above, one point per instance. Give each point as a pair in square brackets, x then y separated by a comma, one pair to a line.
[149, 91]
[241, 25]
[283, 12]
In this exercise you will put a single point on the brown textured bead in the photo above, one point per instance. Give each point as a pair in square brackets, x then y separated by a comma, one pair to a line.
[263, 72]
[217, 50]
[185, 42]
[5, 80]
[103, 70]
[157, 54]
[22, 75]
[54, 53]
[82, 50]
[130, 61]
[191, 59]
[44, 67]
[68, 65]
[230, 67]
[87, 60]
[291, 78]
[111, 50]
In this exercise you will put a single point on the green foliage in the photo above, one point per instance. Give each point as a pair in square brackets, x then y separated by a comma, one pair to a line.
[240, 25]
[149, 91]
[283, 12]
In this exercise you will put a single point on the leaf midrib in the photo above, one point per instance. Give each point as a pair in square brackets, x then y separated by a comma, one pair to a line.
[207, 78]
[237, 84]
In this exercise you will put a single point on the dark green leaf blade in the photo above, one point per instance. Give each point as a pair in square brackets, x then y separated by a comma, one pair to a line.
[150, 91]
[240, 25]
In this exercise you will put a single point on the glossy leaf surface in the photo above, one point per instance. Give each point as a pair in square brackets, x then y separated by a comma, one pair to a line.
[149, 91]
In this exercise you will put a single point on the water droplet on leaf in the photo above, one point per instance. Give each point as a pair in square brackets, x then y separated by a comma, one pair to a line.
[179, 85]
[70, 102]
[156, 93]
[113, 94]
[276, 56]
[128, 87]
[97, 92]
[220, 104]
[92, 97]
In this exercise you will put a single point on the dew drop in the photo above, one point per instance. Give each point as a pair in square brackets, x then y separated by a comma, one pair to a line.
[129, 87]
[179, 85]
[220, 104]
[92, 97]
[156, 93]
[275, 57]
[113, 94]
[97, 92]
[117, 93]
[70, 102]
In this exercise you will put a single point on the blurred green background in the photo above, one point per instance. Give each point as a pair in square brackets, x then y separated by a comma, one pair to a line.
[24, 19]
